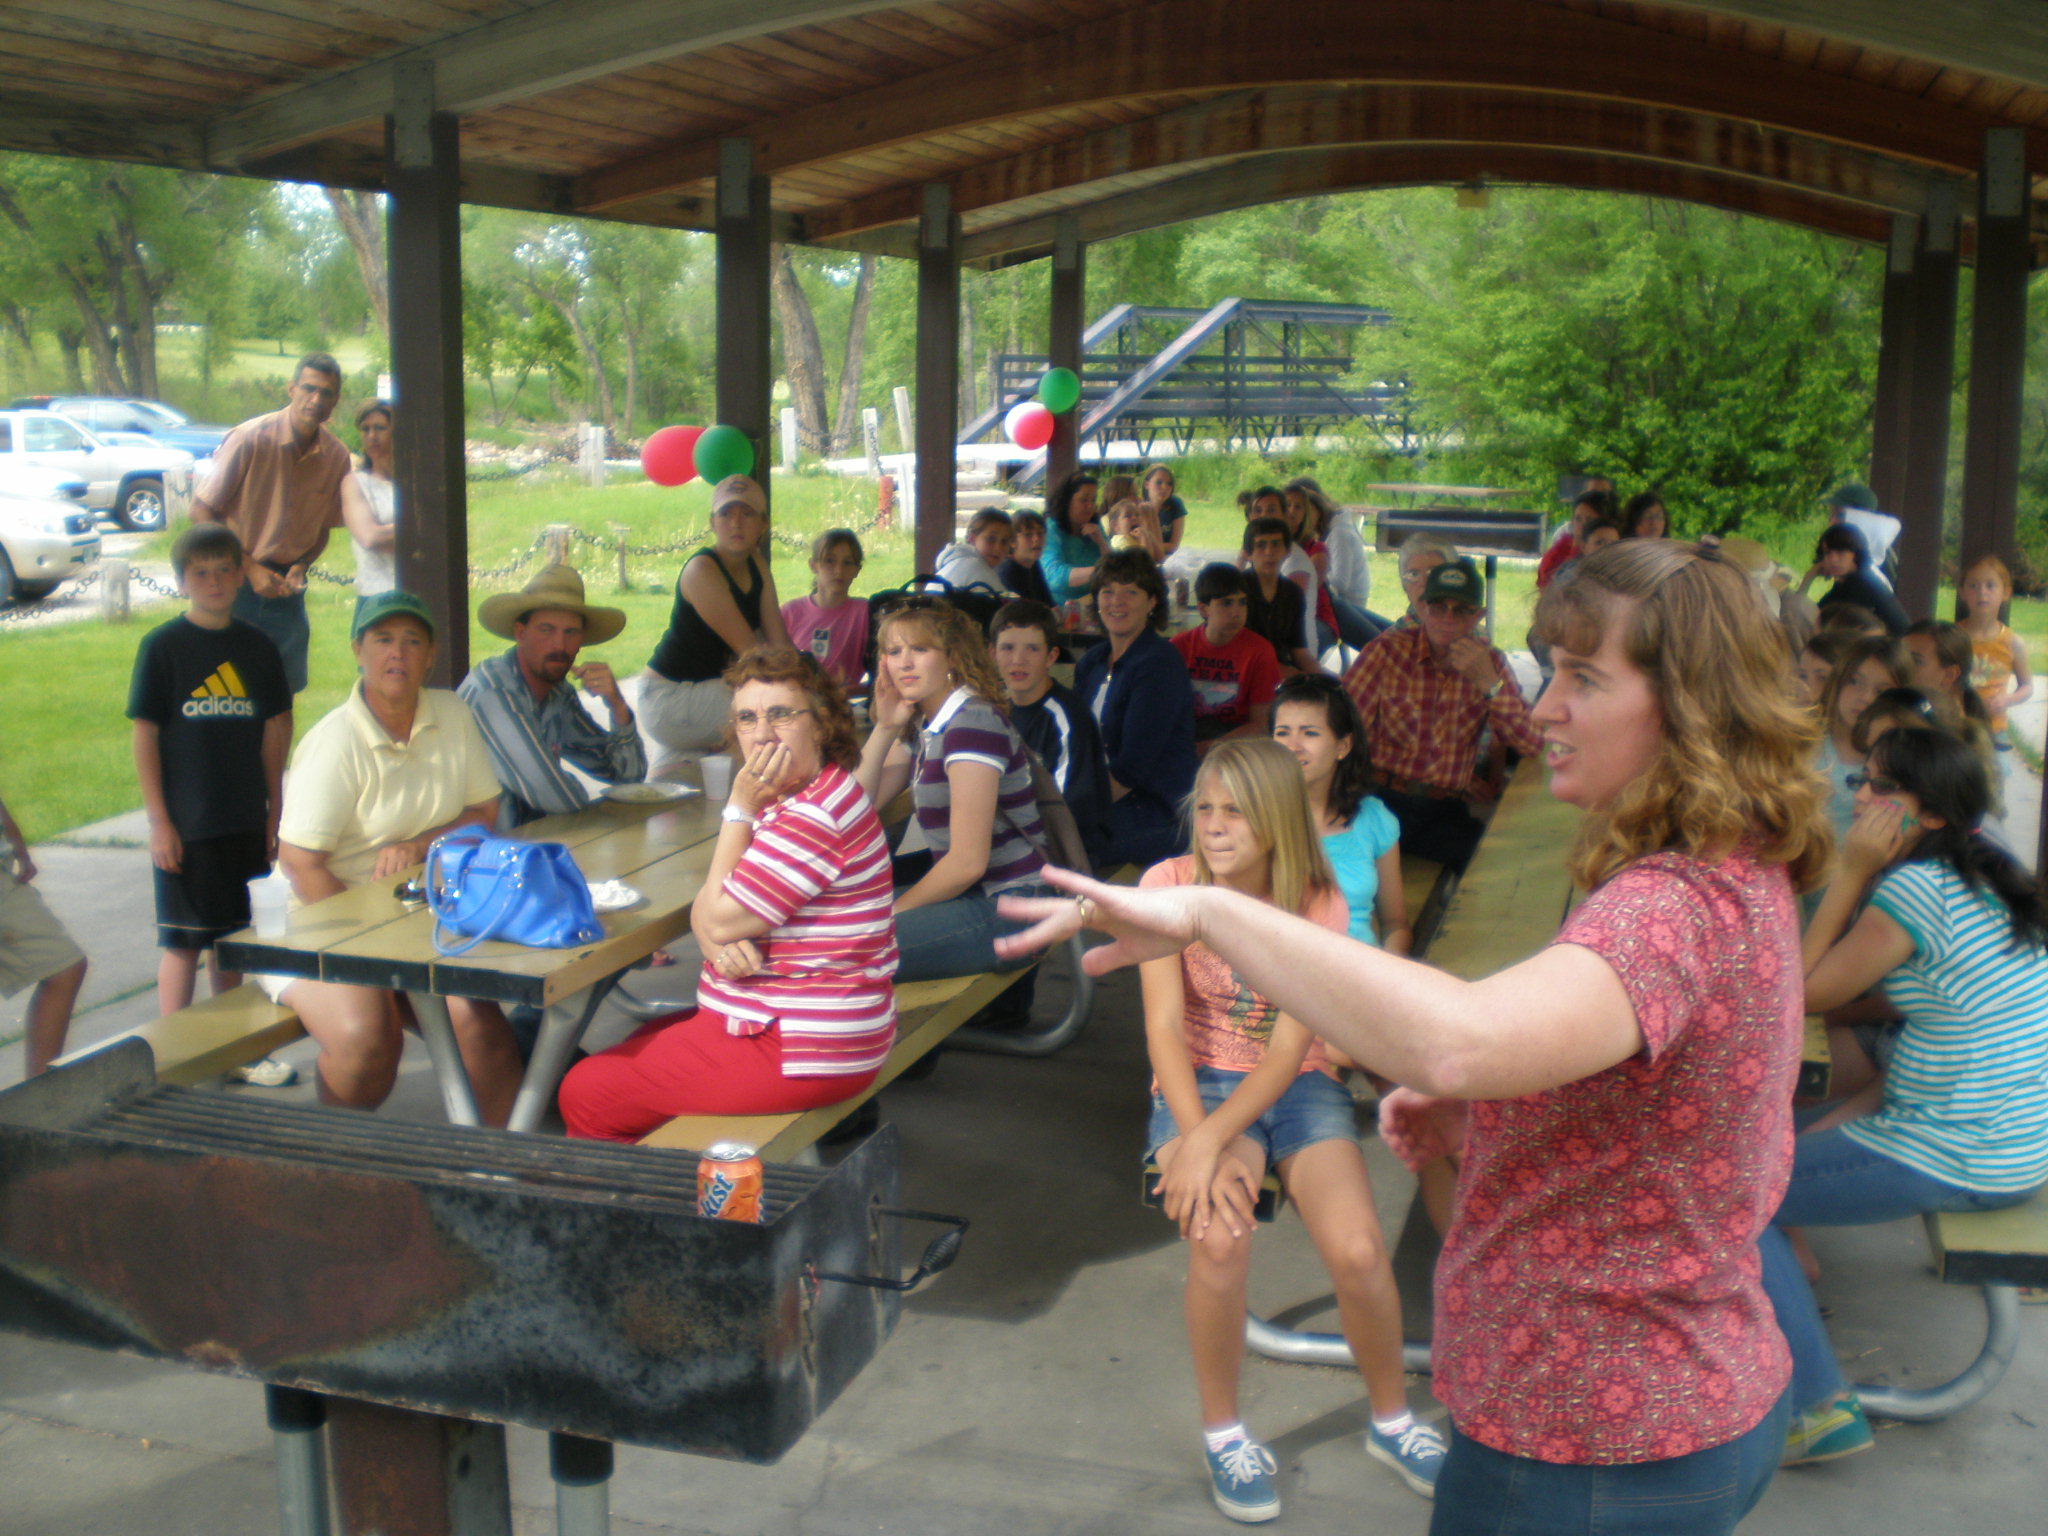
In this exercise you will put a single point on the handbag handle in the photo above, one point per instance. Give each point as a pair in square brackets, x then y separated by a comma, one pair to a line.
[508, 892]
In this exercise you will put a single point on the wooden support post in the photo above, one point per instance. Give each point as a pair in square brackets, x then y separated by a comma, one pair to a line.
[789, 441]
[938, 371]
[1894, 367]
[1924, 503]
[1063, 341]
[619, 533]
[871, 439]
[1998, 348]
[744, 379]
[906, 434]
[558, 541]
[424, 178]
[114, 595]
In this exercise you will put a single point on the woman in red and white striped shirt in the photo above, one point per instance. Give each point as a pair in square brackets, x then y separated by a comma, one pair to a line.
[795, 1007]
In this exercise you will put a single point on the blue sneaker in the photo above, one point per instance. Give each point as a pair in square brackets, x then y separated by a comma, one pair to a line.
[1241, 1475]
[1826, 1434]
[1416, 1454]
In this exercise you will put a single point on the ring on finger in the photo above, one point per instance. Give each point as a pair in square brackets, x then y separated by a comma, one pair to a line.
[1087, 907]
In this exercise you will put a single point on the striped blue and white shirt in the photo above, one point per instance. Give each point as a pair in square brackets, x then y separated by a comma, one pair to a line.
[1966, 1094]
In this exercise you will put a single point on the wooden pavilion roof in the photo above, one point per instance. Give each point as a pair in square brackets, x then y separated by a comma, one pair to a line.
[1836, 114]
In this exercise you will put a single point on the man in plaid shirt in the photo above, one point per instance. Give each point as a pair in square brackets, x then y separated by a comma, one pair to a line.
[1428, 696]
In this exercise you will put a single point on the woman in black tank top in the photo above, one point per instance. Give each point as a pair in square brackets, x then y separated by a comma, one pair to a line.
[725, 604]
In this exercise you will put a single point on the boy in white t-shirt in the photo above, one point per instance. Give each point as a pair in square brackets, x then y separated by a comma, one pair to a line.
[828, 623]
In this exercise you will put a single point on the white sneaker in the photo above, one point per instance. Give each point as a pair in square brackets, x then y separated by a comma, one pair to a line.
[267, 1073]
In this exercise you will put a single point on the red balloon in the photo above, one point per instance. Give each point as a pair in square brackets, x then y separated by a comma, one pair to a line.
[1029, 425]
[669, 456]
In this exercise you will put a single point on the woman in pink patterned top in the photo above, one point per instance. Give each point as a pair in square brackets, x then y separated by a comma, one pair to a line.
[1621, 1101]
[795, 1006]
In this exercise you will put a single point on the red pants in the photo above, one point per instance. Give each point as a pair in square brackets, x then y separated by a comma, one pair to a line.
[687, 1064]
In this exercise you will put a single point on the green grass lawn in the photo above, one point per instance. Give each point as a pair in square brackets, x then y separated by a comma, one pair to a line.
[64, 756]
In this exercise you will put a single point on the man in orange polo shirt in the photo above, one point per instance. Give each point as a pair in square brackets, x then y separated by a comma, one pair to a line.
[277, 481]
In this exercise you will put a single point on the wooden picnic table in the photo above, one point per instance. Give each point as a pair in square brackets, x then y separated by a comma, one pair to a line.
[365, 936]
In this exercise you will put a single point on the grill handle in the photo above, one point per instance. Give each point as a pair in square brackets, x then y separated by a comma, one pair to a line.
[938, 1254]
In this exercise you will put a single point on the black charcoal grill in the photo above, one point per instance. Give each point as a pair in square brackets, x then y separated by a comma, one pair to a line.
[479, 1275]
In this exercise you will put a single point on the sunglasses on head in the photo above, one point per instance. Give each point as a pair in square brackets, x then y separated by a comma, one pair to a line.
[910, 602]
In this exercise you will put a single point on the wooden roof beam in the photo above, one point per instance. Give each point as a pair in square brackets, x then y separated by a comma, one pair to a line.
[2003, 38]
[1253, 122]
[1279, 177]
[1181, 46]
[556, 44]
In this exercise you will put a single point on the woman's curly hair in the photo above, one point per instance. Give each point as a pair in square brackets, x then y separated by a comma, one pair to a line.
[1735, 762]
[940, 624]
[837, 741]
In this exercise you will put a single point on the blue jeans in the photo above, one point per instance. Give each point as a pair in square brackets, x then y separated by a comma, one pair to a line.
[284, 620]
[1484, 1492]
[1356, 627]
[1315, 1107]
[1142, 832]
[957, 937]
[1838, 1183]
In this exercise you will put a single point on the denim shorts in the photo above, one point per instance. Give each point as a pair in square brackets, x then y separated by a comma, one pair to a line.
[1315, 1107]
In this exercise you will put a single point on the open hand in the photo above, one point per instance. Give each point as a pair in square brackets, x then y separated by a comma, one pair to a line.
[263, 581]
[1419, 1128]
[766, 778]
[1877, 836]
[889, 710]
[1147, 923]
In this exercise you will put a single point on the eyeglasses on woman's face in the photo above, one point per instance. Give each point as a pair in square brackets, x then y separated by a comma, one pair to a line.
[775, 717]
[1877, 783]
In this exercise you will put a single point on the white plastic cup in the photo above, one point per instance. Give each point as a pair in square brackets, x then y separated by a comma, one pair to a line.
[717, 771]
[268, 897]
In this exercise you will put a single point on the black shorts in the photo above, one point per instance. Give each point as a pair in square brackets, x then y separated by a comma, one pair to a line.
[208, 898]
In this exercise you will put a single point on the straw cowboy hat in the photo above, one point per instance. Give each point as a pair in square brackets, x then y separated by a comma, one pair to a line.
[557, 586]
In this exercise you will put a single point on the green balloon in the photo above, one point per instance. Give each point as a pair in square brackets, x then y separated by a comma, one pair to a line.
[1059, 390]
[723, 451]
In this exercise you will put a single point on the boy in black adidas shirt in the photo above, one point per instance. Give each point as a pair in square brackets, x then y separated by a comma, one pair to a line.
[213, 723]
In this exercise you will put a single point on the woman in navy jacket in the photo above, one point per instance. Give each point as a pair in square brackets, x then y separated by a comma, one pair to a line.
[1136, 686]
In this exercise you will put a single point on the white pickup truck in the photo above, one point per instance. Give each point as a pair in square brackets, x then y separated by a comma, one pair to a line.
[141, 486]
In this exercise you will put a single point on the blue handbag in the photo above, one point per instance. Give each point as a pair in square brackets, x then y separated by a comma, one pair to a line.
[481, 887]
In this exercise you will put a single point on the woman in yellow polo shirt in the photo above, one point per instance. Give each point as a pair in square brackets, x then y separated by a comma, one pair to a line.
[371, 785]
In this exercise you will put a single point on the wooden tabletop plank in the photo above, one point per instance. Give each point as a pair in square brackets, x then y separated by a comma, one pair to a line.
[1516, 890]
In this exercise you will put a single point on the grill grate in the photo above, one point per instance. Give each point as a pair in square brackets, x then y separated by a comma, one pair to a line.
[193, 1120]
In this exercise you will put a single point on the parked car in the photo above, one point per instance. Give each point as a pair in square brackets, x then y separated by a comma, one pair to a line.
[42, 541]
[110, 418]
[140, 485]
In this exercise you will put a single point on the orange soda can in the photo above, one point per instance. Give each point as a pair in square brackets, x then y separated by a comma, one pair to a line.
[729, 1182]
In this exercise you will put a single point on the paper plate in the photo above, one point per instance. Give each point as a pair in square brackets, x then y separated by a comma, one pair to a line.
[647, 794]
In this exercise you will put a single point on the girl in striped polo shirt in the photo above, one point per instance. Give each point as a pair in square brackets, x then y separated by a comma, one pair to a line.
[794, 1007]
[942, 728]
[1958, 935]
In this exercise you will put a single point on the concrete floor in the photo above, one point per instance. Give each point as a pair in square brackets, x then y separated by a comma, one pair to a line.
[1039, 1388]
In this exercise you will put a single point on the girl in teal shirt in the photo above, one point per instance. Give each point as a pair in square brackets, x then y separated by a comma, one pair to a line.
[1314, 718]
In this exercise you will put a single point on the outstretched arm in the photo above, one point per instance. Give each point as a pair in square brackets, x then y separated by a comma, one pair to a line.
[1553, 1019]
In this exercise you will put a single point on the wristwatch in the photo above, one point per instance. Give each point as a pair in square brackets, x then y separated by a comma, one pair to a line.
[734, 813]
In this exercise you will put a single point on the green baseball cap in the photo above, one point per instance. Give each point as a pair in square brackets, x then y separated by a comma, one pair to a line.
[383, 606]
[1455, 581]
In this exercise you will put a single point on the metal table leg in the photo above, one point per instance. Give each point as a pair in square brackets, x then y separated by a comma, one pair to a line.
[1043, 1042]
[561, 1027]
[1318, 1348]
[582, 1470]
[298, 1419]
[438, 1030]
[1923, 1405]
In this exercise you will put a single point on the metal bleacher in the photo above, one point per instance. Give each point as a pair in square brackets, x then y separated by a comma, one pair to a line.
[1245, 370]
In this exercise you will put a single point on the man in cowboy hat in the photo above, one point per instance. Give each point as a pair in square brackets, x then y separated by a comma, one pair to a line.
[527, 706]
